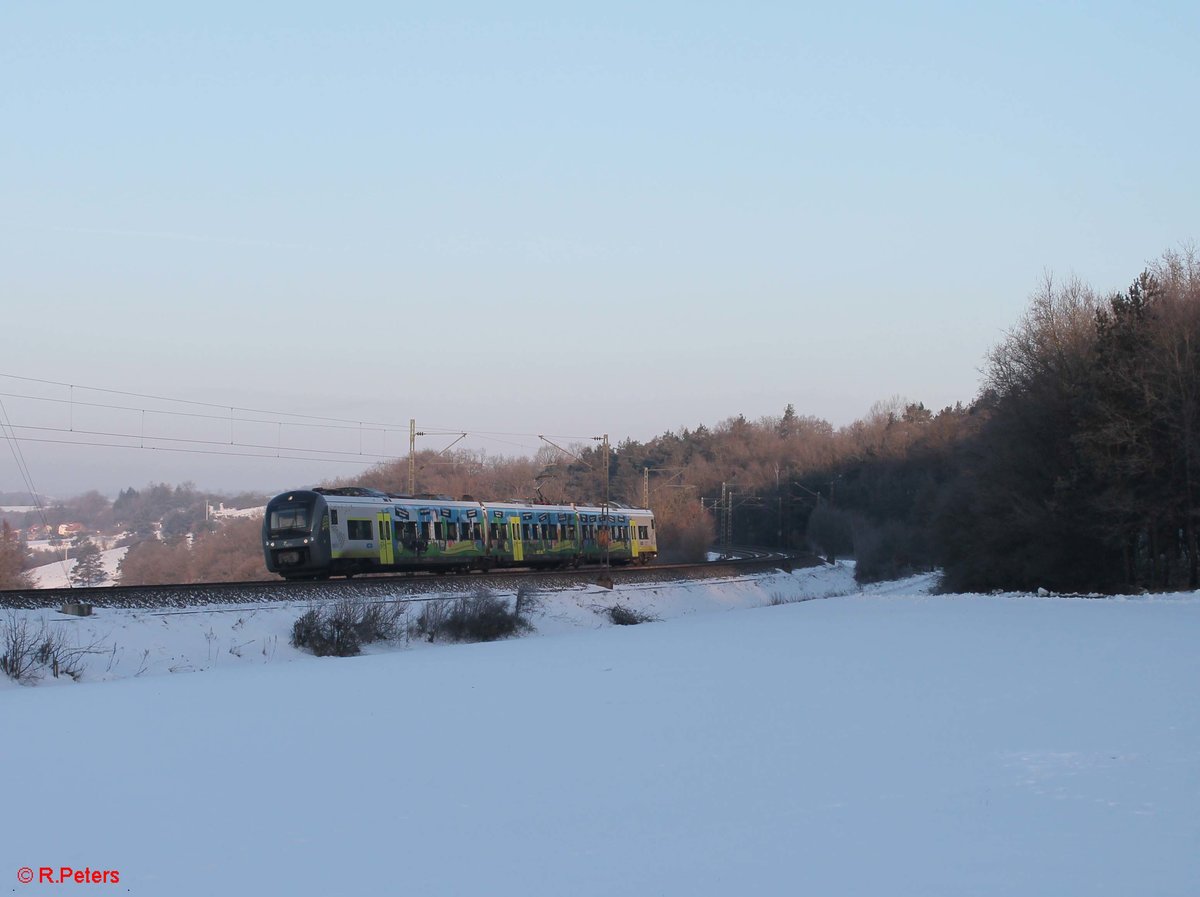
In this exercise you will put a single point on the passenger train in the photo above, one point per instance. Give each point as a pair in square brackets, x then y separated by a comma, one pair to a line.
[318, 533]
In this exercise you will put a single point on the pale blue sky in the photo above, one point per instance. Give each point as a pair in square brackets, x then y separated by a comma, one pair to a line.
[735, 208]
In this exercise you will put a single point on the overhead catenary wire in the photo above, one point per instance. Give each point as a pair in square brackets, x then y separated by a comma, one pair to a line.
[366, 459]
[14, 445]
[277, 448]
[227, 410]
[222, 406]
[114, 431]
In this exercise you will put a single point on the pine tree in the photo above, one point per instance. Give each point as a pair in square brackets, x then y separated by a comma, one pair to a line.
[787, 423]
[89, 567]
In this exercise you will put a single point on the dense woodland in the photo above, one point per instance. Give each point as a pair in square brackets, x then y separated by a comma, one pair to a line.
[1074, 469]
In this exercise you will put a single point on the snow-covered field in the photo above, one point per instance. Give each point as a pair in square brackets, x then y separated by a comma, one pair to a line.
[883, 742]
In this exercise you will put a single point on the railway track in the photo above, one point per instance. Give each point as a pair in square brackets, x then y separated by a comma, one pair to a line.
[398, 585]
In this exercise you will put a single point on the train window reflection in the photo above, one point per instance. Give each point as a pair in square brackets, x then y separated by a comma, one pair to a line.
[287, 519]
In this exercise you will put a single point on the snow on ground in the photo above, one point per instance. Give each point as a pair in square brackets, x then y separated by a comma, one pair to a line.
[58, 574]
[880, 742]
[146, 642]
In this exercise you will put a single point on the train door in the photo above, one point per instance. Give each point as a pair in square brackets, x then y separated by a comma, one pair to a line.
[633, 538]
[387, 555]
[518, 546]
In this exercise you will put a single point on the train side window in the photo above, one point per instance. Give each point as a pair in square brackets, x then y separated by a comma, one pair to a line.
[333, 516]
[477, 531]
[360, 530]
[571, 532]
[643, 533]
[524, 530]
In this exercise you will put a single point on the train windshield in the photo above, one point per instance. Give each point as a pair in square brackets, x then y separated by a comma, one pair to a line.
[290, 520]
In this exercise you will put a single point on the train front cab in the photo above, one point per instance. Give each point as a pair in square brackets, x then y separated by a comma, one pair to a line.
[296, 535]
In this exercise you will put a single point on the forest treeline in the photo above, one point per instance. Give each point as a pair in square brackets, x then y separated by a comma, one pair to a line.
[1073, 469]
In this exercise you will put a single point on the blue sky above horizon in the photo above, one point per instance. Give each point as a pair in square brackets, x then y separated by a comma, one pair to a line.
[544, 219]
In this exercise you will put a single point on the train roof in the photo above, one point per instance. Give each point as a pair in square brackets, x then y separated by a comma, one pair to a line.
[365, 494]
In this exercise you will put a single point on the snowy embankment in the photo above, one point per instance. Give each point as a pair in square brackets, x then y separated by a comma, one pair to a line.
[145, 642]
[890, 743]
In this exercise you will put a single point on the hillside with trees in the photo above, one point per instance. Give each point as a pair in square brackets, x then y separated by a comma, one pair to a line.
[1074, 469]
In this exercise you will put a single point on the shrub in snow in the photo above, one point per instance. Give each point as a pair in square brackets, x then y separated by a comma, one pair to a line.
[528, 602]
[481, 617]
[627, 616]
[379, 621]
[28, 653]
[342, 629]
